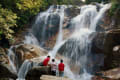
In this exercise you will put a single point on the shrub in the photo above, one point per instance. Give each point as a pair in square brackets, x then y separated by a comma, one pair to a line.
[7, 22]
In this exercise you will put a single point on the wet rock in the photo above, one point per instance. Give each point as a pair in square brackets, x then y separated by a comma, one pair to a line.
[27, 51]
[46, 29]
[105, 23]
[72, 11]
[104, 43]
[36, 72]
[50, 43]
[109, 22]
[113, 74]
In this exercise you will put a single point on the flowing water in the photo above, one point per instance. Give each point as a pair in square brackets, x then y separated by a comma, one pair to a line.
[77, 48]
[59, 41]
[11, 57]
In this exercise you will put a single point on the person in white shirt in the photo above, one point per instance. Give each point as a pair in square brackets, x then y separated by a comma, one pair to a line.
[53, 67]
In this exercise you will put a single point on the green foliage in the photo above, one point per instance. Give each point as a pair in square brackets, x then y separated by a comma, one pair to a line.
[29, 5]
[7, 22]
[27, 9]
[115, 7]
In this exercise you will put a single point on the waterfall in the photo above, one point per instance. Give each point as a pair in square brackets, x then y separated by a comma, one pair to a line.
[78, 47]
[44, 22]
[37, 33]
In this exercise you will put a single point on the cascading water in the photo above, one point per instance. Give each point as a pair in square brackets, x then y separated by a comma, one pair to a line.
[44, 23]
[59, 41]
[39, 26]
[27, 65]
[78, 47]
[11, 57]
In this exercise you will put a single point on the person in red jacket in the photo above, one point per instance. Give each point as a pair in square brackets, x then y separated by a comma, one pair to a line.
[61, 67]
[46, 60]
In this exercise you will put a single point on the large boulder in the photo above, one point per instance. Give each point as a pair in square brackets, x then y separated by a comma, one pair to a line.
[28, 51]
[104, 43]
[5, 72]
[36, 72]
[112, 74]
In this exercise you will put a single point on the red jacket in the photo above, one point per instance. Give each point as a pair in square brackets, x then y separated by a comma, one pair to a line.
[45, 62]
[61, 67]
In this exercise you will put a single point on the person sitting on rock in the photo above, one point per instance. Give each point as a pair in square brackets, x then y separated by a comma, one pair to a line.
[61, 68]
[46, 60]
[53, 67]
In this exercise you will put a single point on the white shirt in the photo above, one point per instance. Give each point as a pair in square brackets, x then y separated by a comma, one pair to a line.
[53, 66]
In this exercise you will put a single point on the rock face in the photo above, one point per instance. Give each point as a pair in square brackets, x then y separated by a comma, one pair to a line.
[27, 51]
[36, 72]
[104, 43]
[6, 73]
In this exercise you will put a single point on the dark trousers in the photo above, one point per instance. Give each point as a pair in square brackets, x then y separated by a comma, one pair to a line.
[53, 73]
[40, 64]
